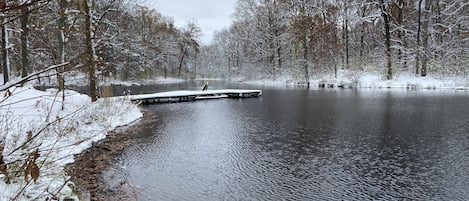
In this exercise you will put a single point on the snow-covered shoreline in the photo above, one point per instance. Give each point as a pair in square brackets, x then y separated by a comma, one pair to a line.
[367, 80]
[345, 78]
[34, 120]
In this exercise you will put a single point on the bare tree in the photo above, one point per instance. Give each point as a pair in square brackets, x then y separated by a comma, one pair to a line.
[346, 33]
[5, 47]
[61, 39]
[24, 41]
[90, 51]
[387, 34]
[188, 40]
[425, 33]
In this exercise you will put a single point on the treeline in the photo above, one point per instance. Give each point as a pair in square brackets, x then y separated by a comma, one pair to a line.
[268, 39]
[113, 38]
[306, 38]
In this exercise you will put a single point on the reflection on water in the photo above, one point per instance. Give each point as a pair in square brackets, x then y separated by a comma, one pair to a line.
[297, 144]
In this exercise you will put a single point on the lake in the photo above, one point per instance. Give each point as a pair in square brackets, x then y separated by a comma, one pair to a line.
[300, 144]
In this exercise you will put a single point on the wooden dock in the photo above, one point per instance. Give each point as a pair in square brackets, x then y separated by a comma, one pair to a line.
[186, 96]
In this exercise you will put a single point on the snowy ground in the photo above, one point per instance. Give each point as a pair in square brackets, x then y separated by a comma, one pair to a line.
[75, 78]
[33, 120]
[376, 80]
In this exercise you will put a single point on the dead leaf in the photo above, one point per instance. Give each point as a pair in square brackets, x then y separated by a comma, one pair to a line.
[29, 135]
[30, 167]
[34, 155]
[7, 93]
[27, 171]
[4, 169]
[34, 172]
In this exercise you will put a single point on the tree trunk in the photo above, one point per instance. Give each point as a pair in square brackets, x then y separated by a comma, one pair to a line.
[61, 38]
[90, 52]
[229, 68]
[165, 66]
[387, 31]
[425, 33]
[347, 63]
[272, 61]
[195, 65]
[400, 6]
[279, 50]
[304, 42]
[439, 33]
[24, 41]
[271, 40]
[305, 58]
[181, 61]
[362, 32]
[6, 59]
[417, 56]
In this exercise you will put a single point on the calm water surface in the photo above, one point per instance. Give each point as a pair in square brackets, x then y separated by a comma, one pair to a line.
[298, 144]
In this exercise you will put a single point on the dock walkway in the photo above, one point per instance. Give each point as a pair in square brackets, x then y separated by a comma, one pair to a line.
[186, 96]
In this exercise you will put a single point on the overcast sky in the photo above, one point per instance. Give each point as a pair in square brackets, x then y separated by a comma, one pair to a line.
[210, 15]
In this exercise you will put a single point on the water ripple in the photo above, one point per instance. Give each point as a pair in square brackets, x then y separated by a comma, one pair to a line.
[306, 145]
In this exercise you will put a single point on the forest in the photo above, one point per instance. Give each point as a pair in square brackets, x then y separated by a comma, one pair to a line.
[268, 39]
[106, 38]
[303, 39]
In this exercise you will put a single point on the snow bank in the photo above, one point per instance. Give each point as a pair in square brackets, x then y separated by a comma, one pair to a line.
[355, 79]
[410, 81]
[34, 120]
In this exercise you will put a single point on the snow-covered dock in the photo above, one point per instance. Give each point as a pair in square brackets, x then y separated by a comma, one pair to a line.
[185, 96]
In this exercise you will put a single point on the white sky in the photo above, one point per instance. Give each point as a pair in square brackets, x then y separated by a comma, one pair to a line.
[210, 15]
